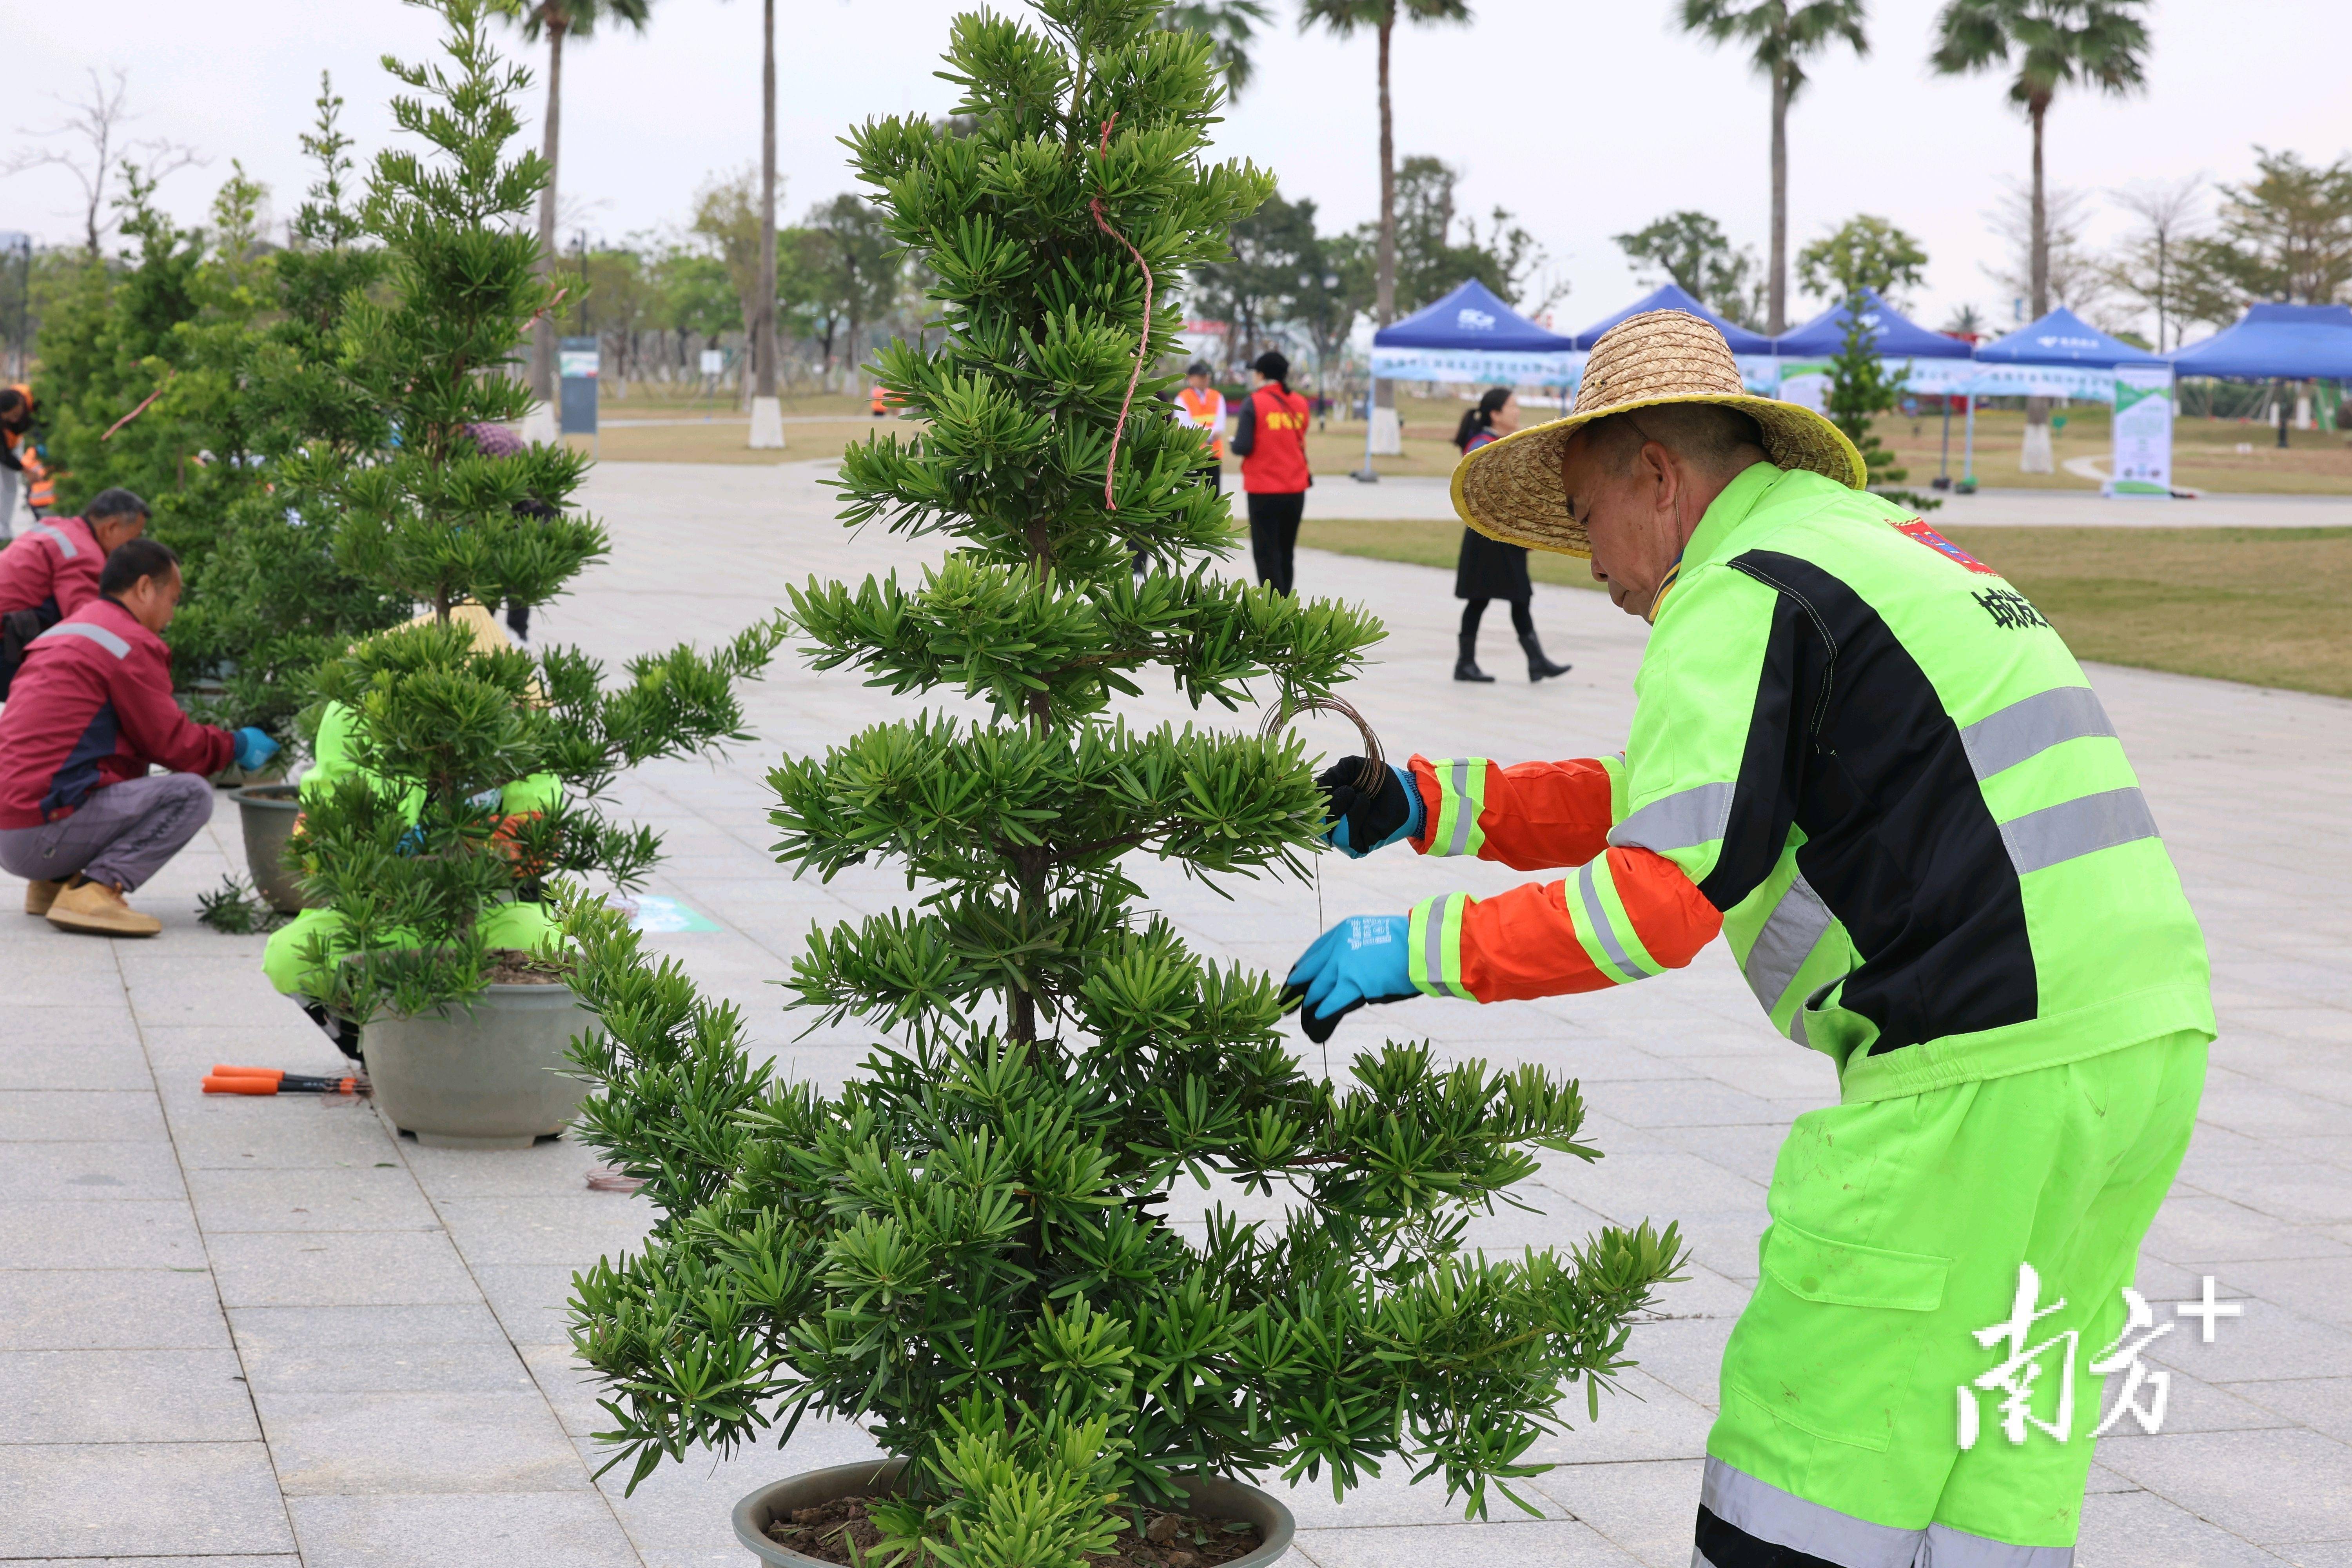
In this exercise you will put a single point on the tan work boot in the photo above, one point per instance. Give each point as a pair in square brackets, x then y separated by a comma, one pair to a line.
[98, 909]
[40, 895]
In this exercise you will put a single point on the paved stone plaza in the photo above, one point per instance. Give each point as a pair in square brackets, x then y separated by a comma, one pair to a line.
[248, 1331]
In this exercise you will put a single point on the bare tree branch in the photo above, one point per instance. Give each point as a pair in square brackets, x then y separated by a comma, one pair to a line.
[97, 149]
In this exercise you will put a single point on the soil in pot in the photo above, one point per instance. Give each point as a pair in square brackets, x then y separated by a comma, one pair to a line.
[828, 1530]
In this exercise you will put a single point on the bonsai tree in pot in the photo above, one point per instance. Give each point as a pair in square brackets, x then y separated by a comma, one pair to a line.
[466, 770]
[966, 1248]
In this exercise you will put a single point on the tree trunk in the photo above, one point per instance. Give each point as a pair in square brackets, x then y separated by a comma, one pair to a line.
[1385, 255]
[2037, 459]
[1775, 319]
[542, 330]
[764, 323]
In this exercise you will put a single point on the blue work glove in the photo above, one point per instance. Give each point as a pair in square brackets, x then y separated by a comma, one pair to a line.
[1362, 959]
[253, 748]
[411, 842]
[1362, 822]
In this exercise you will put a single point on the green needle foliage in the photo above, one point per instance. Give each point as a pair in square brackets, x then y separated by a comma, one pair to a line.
[967, 1248]
[414, 853]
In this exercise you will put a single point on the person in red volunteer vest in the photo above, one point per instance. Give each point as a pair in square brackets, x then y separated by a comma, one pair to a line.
[50, 569]
[1270, 435]
[81, 819]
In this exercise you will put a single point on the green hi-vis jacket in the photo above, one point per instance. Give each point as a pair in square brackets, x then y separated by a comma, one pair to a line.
[1885, 770]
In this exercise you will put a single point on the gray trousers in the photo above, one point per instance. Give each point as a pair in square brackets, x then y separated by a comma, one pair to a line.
[122, 834]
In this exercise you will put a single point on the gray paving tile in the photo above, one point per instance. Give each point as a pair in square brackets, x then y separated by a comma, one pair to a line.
[1646, 1420]
[27, 1025]
[1646, 1510]
[305, 1329]
[84, 1173]
[2293, 1191]
[1686, 1354]
[108, 1065]
[529, 1300]
[498, 1530]
[139, 1499]
[124, 1397]
[235, 1132]
[2300, 1496]
[286, 1560]
[131, 1233]
[1536, 1544]
[2322, 1404]
[346, 1197]
[476, 1441]
[340, 1268]
[559, 1166]
[110, 1308]
[2192, 1230]
[572, 1229]
[2140, 1527]
[2318, 1288]
[79, 1115]
[1390, 1499]
[344, 1364]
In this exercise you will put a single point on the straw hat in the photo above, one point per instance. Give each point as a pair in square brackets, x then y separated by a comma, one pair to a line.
[1510, 490]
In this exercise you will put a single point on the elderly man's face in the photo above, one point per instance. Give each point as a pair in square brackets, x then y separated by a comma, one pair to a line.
[1630, 515]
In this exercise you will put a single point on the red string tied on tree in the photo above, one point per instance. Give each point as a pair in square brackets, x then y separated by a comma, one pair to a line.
[1143, 338]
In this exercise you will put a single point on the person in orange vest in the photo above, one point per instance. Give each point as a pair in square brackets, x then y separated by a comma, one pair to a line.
[881, 401]
[1270, 433]
[1201, 405]
[15, 450]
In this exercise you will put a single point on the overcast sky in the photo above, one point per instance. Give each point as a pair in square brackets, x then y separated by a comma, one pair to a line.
[1585, 119]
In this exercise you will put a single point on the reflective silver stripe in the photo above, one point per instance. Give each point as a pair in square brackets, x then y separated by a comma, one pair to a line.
[1796, 1026]
[1465, 816]
[1790, 933]
[1678, 821]
[1768, 1513]
[2030, 726]
[1432, 947]
[98, 635]
[64, 545]
[2058, 832]
[1949, 1548]
[1600, 927]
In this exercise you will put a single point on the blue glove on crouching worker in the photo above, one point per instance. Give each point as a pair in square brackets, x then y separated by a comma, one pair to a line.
[253, 747]
[1362, 959]
[1361, 820]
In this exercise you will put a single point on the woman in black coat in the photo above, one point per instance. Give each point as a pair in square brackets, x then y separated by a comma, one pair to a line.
[1488, 568]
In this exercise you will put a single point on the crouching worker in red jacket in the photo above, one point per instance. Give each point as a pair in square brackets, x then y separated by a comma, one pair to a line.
[81, 819]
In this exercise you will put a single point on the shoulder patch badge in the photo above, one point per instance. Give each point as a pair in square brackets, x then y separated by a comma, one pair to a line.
[1916, 528]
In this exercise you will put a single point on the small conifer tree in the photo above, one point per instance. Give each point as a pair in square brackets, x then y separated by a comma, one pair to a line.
[966, 1248]
[412, 857]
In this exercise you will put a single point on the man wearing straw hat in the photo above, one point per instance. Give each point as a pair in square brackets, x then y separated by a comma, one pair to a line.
[1875, 768]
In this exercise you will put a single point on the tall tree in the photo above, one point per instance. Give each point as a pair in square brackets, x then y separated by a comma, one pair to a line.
[1230, 25]
[93, 143]
[2284, 235]
[2047, 45]
[854, 268]
[1780, 37]
[1689, 248]
[2148, 267]
[1341, 18]
[763, 327]
[555, 20]
[1862, 253]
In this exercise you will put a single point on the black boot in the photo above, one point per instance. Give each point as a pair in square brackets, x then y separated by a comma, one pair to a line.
[1466, 661]
[1538, 665]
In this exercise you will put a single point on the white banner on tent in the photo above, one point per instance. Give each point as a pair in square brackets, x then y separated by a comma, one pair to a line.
[1807, 381]
[2092, 384]
[2143, 430]
[1477, 365]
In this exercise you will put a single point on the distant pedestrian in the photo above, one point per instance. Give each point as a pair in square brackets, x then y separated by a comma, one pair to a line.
[1201, 405]
[1488, 568]
[1270, 435]
[498, 441]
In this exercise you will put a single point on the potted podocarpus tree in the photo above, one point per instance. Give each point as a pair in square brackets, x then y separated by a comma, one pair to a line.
[428, 851]
[965, 1248]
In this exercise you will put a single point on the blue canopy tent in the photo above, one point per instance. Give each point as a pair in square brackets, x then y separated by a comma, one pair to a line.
[1471, 335]
[1898, 336]
[2295, 343]
[1673, 297]
[2061, 355]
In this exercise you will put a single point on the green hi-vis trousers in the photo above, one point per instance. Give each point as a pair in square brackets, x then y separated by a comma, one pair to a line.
[1898, 1229]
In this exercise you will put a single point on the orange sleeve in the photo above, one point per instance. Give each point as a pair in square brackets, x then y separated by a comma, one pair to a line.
[1530, 816]
[1623, 918]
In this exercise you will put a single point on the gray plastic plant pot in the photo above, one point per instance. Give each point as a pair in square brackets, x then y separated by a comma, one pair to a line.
[1208, 1497]
[491, 1078]
[269, 812]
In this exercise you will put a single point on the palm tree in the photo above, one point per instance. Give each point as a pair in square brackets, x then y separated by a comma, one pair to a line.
[2051, 44]
[1341, 18]
[1231, 25]
[1780, 37]
[554, 20]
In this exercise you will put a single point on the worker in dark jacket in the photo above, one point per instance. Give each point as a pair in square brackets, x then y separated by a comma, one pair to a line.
[81, 819]
[51, 568]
